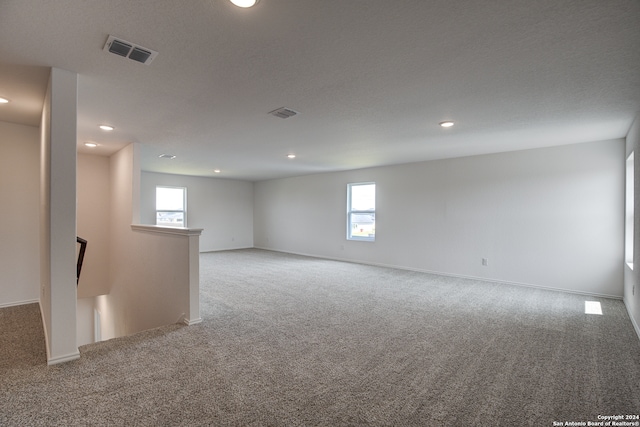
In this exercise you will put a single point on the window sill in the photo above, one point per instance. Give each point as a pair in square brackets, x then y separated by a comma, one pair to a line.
[159, 229]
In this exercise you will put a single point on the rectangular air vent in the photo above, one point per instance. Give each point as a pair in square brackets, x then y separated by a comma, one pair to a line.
[283, 113]
[129, 50]
[120, 48]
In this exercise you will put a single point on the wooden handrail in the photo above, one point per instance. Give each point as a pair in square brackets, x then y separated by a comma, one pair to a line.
[83, 247]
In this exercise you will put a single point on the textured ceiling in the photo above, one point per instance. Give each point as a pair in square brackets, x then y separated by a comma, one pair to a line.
[371, 79]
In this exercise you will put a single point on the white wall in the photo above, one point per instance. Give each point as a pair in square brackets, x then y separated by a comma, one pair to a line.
[58, 216]
[549, 217]
[631, 277]
[86, 328]
[151, 275]
[222, 208]
[20, 224]
[93, 223]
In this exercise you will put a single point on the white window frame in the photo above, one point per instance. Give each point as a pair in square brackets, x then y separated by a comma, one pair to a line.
[351, 212]
[183, 210]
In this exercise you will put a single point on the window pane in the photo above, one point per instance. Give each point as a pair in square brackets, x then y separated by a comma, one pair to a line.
[172, 219]
[361, 211]
[363, 197]
[362, 225]
[169, 199]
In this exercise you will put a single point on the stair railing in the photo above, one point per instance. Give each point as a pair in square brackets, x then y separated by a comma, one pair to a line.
[83, 247]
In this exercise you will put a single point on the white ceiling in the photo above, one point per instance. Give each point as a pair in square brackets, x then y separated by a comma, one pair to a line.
[371, 79]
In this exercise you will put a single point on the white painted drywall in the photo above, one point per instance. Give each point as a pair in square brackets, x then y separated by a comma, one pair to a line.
[549, 217]
[93, 223]
[631, 277]
[58, 216]
[85, 316]
[151, 274]
[44, 211]
[222, 208]
[19, 228]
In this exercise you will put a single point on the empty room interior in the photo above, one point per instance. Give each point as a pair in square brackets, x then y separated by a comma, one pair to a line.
[336, 212]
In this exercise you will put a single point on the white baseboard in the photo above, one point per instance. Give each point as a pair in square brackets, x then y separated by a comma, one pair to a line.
[633, 321]
[16, 303]
[238, 248]
[190, 322]
[439, 273]
[63, 358]
[58, 359]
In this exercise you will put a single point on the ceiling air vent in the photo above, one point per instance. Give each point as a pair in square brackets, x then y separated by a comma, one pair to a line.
[129, 50]
[283, 113]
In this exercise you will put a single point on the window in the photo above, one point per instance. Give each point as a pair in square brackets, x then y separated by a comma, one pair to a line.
[628, 227]
[361, 211]
[171, 206]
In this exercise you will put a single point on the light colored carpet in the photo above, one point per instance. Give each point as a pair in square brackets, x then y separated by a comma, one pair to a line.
[296, 341]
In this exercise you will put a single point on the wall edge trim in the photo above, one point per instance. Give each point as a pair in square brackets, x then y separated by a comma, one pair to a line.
[44, 328]
[636, 327]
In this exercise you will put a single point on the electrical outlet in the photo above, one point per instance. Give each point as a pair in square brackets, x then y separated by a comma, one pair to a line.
[485, 261]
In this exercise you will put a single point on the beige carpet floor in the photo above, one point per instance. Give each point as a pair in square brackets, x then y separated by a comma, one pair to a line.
[296, 341]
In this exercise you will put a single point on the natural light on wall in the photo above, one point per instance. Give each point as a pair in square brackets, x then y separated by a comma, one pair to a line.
[592, 307]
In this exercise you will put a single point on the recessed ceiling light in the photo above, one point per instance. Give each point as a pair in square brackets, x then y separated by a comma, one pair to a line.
[244, 3]
[167, 156]
[4, 101]
[291, 156]
[91, 144]
[106, 127]
[216, 171]
[446, 124]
